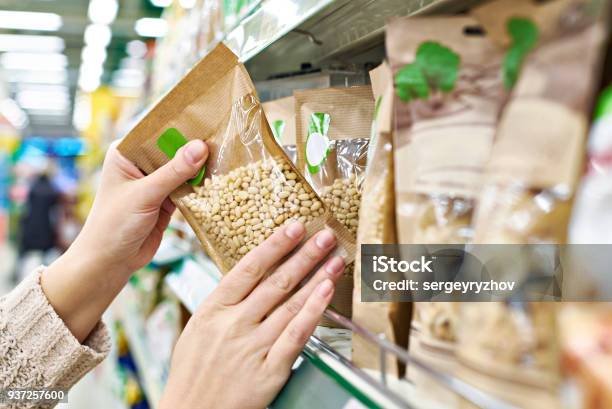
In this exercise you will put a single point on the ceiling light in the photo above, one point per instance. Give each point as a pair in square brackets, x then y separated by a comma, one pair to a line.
[81, 117]
[43, 96]
[91, 70]
[31, 43]
[26, 61]
[161, 3]
[98, 35]
[93, 55]
[89, 84]
[29, 20]
[37, 77]
[151, 27]
[29, 102]
[102, 11]
[136, 49]
[13, 113]
[57, 89]
[187, 4]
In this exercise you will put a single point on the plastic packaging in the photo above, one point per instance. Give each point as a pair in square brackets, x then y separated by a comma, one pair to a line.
[251, 187]
[443, 139]
[377, 226]
[281, 117]
[332, 130]
[529, 186]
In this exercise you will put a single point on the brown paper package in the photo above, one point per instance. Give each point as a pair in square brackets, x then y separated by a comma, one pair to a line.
[532, 174]
[216, 102]
[377, 226]
[283, 109]
[351, 111]
[442, 145]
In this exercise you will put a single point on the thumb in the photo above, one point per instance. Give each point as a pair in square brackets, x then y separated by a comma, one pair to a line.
[187, 162]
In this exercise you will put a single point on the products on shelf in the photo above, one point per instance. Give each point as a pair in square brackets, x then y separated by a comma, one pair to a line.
[449, 95]
[377, 226]
[332, 131]
[529, 186]
[281, 118]
[237, 135]
[591, 216]
[528, 192]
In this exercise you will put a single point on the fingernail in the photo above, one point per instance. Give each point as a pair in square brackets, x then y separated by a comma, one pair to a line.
[325, 288]
[194, 151]
[325, 239]
[295, 230]
[335, 266]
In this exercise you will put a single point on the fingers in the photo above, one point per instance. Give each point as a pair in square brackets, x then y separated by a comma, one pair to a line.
[118, 166]
[165, 214]
[276, 323]
[291, 342]
[279, 285]
[187, 162]
[245, 276]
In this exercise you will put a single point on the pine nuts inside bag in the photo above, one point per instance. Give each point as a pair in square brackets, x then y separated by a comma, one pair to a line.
[449, 94]
[377, 226]
[251, 188]
[333, 127]
[529, 186]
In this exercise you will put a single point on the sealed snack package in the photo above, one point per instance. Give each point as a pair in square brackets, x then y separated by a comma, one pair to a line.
[281, 117]
[530, 183]
[377, 226]
[251, 187]
[449, 94]
[539, 150]
[333, 127]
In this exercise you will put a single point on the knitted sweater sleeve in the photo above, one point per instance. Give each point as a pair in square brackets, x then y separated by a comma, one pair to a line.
[37, 350]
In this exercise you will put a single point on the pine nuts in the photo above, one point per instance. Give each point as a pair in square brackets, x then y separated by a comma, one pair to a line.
[242, 208]
[343, 198]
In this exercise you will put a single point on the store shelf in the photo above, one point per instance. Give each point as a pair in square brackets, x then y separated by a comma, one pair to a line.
[281, 34]
[151, 376]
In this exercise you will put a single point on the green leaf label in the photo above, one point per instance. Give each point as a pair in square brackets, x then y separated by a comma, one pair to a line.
[278, 127]
[170, 142]
[435, 68]
[317, 144]
[524, 34]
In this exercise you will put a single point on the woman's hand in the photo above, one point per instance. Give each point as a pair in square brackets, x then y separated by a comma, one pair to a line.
[238, 348]
[121, 234]
[130, 213]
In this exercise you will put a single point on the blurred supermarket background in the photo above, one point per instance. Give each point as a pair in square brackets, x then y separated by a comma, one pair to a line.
[77, 74]
[74, 75]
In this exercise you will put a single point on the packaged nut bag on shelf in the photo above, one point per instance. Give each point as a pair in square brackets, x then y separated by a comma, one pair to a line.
[377, 226]
[449, 92]
[333, 127]
[552, 60]
[281, 117]
[251, 187]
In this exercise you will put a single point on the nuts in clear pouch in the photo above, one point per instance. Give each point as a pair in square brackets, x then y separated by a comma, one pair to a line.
[241, 209]
[343, 197]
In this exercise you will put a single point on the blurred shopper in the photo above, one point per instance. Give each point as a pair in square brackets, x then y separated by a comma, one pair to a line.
[38, 225]
[238, 347]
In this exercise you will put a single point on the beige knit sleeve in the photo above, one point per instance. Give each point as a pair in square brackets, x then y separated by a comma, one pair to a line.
[37, 350]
